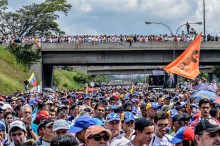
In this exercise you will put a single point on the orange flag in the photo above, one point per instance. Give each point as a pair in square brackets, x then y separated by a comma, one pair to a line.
[187, 64]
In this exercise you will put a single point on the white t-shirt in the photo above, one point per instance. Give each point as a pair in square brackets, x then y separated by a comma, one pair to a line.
[45, 143]
[156, 141]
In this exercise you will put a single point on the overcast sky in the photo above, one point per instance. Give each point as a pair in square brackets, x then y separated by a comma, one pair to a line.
[128, 16]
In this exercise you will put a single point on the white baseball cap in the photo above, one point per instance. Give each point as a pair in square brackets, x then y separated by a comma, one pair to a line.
[18, 124]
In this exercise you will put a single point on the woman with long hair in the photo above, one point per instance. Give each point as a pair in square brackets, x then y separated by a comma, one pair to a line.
[8, 117]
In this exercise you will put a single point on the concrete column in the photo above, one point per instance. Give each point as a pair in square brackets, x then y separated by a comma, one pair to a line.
[47, 76]
[210, 76]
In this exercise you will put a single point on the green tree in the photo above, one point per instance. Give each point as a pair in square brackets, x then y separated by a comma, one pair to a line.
[203, 75]
[101, 78]
[36, 18]
[216, 71]
[25, 54]
[3, 4]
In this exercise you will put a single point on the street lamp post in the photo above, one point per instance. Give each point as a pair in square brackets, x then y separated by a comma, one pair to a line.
[204, 19]
[199, 23]
[161, 24]
[217, 33]
[174, 51]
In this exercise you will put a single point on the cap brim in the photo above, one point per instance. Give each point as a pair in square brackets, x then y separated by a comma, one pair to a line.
[103, 130]
[113, 120]
[58, 128]
[23, 128]
[175, 140]
[213, 129]
[75, 129]
[156, 107]
[178, 119]
[128, 120]
[48, 124]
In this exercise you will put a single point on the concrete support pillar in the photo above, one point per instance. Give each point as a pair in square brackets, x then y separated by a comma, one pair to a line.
[47, 76]
[210, 76]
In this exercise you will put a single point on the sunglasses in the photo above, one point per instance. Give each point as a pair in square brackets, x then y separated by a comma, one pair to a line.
[50, 127]
[129, 110]
[63, 112]
[87, 110]
[214, 134]
[99, 137]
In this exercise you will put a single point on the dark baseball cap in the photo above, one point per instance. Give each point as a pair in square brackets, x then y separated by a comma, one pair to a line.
[178, 117]
[208, 125]
[186, 116]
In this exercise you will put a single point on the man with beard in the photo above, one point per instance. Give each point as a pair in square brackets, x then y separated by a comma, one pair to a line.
[207, 133]
[161, 120]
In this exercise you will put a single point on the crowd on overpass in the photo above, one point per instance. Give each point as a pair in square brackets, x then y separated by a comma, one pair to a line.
[103, 38]
[113, 115]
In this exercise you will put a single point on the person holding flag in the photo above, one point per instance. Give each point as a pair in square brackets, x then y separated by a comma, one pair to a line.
[187, 64]
[32, 80]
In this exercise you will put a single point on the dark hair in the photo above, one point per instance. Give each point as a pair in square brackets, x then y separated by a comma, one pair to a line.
[160, 116]
[8, 113]
[29, 143]
[52, 110]
[99, 105]
[64, 140]
[186, 143]
[73, 107]
[214, 112]
[141, 123]
[204, 101]
[40, 106]
[111, 98]
[127, 104]
[16, 128]
[119, 109]
[41, 125]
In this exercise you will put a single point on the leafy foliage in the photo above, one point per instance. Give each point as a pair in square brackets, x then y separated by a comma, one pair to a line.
[25, 54]
[216, 71]
[33, 19]
[203, 75]
[101, 78]
[3, 4]
[82, 78]
[12, 73]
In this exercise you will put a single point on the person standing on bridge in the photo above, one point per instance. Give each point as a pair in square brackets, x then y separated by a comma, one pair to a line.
[187, 27]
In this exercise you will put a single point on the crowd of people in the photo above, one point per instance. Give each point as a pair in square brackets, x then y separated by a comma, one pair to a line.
[109, 115]
[98, 38]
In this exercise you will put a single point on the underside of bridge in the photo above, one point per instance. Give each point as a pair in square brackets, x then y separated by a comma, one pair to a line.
[112, 54]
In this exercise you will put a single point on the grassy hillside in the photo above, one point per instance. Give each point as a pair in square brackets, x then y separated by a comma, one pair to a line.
[63, 79]
[12, 73]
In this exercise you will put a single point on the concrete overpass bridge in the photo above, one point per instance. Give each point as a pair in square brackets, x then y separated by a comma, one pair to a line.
[128, 70]
[101, 54]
